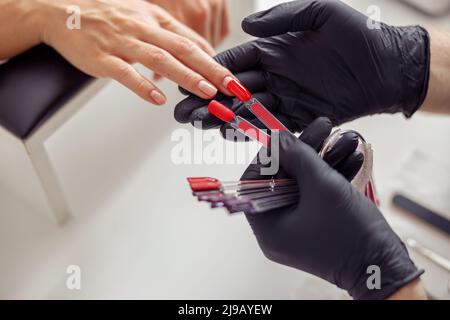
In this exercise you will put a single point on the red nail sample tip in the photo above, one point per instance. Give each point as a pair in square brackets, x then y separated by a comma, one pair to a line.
[205, 185]
[220, 111]
[200, 179]
[236, 88]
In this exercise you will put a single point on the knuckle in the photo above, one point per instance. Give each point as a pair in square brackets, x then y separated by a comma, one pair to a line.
[120, 23]
[154, 8]
[128, 45]
[151, 33]
[159, 13]
[186, 46]
[218, 71]
[119, 20]
[122, 73]
[141, 87]
[190, 80]
[158, 56]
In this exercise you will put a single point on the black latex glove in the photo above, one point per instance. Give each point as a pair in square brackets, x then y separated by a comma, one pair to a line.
[319, 58]
[334, 232]
[342, 156]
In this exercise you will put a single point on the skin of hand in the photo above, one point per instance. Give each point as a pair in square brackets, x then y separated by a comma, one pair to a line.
[209, 18]
[412, 291]
[320, 58]
[438, 98]
[333, 232]
[12, 11]
[114, 34]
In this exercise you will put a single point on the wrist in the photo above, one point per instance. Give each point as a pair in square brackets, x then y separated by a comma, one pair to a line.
[415, 57]
[23, 11]
[44, 16]
[411, 291]
[438, 97]
[19, 31]
[393, 266]
[30, 19]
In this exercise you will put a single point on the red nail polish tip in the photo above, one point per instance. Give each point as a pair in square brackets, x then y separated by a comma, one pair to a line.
[205, 185]
[201, 179]
[220, 111]
[241, 92]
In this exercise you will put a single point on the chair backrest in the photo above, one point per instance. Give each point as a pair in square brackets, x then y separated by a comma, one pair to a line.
[33, 86]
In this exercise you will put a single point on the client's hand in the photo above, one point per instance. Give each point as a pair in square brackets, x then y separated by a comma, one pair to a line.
[115, 33]
[209, 18]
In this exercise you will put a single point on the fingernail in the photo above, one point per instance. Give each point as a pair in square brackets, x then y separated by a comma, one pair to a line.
[207, 88]
[157, 97]
[226, 80]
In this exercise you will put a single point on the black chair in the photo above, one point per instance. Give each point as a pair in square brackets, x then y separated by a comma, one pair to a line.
[39, 92]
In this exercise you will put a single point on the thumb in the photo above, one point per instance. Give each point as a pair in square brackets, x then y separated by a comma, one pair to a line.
[287, 17]
[299, 160]
[240, 58]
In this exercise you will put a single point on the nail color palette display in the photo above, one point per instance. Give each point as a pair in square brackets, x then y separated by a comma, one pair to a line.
[250, 196]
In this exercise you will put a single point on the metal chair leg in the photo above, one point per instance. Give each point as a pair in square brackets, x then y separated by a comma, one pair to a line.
[49, 181]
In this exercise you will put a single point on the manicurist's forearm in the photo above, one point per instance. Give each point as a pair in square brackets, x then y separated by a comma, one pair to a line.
[20, 27]
[438, 97]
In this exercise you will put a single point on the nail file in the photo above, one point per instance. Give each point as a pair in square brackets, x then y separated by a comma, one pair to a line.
[421, 212]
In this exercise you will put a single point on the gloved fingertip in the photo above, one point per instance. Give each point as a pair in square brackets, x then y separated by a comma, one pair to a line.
[358, 159]
[351, 166]
[316, 133]
[253, 25]
[325, 122]
[183, 111]
[179, 113]
[353, 135]
[342, 149]
[246, 24]
[353, 140]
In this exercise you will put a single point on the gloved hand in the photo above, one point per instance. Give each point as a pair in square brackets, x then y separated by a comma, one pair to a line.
[320, 58]
[343, 156]
[333, 232]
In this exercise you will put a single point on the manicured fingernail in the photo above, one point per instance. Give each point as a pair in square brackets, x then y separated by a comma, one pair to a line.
[157, 97]
[226, 80]
[207, 88]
